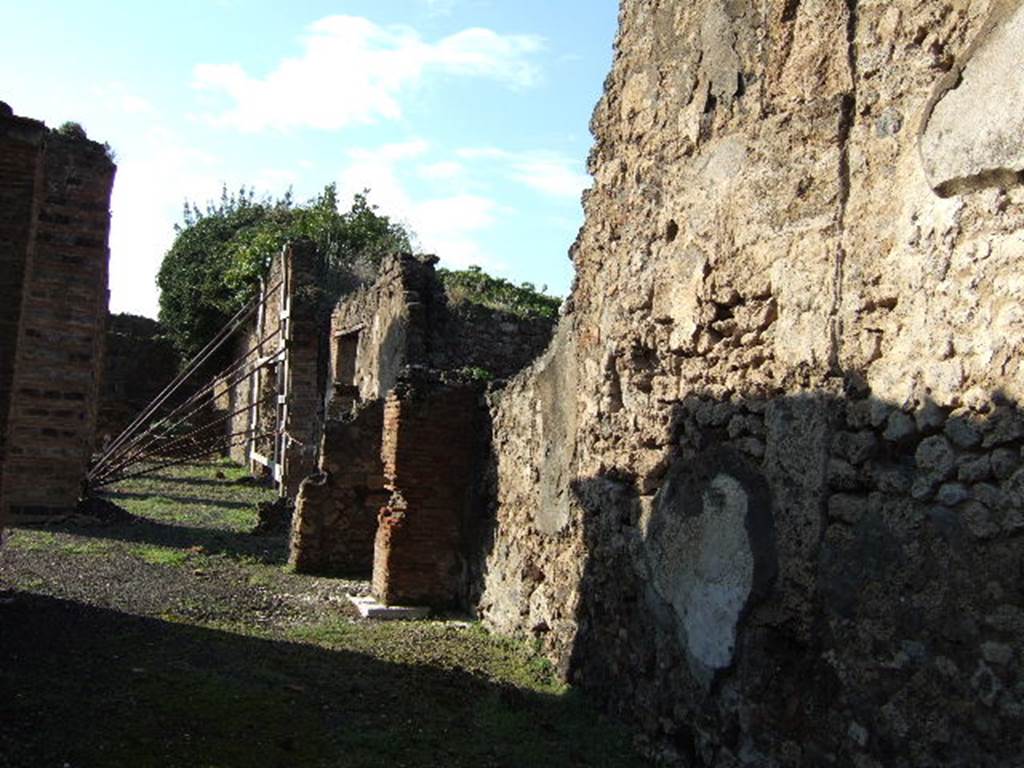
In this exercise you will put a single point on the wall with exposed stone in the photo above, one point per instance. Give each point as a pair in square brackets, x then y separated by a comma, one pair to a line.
[21, 180]
[237, 392]
[406, 319]
[335, 521]
[763, 496]
[292, 316]
[490, 341]
[388, 323]
[139, 361]
[383, 336]
[56, 221]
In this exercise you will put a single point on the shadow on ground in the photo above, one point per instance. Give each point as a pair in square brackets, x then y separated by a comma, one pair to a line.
[87, 686]
[118, 496]
[269, 550]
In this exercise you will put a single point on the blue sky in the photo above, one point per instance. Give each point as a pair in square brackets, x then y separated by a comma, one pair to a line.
[467, 119]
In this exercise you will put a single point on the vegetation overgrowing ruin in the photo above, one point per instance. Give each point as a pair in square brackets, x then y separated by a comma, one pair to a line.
[756, 487]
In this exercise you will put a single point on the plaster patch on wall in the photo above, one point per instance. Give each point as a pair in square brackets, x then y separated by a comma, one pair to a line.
[971, 138]
[703, 562]
[556, 388]
[713, 594]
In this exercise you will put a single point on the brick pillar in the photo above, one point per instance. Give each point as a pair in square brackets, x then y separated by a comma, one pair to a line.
[21, 182]
[429, 452]
[58, 358]
[305, 377]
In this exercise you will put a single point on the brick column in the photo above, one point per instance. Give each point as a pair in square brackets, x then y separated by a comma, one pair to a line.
[21, 181]
[429, 446]
[305, 377]
[58, 358]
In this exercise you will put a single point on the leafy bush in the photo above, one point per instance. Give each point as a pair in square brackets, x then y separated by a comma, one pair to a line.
[476, 373]
[476, 286]
[71, 130]
[219, 254]
[75, 132]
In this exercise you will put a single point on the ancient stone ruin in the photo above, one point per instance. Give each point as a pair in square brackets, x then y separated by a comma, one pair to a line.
[138, 360]
[380, 432]
[54, 223]
[763, 494]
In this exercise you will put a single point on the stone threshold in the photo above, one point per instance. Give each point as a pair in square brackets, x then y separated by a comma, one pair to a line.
[369, 608]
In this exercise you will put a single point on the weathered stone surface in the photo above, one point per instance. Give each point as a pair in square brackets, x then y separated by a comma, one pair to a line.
[1004, 462]
[952, 494]
[935, 459]
[972, 137]
[139, 361]
[974, 469]
[430, 450]
[766, 262]
[335, 518]
[899, 427]
[847, 508]
[556, 381]
[378, 338]
[961, 431]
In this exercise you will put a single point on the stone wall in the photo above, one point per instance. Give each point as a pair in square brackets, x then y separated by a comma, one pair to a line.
[336, 517]
[307, 365]
[388, 323]
[763, 496]
[380, 333]
[405, 319]
[292, 282]
[260, 337]
[139, 361]
[62, 184]
[472, 336]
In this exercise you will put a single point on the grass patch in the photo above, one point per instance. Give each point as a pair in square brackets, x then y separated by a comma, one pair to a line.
[161, 555]
[460, 646]
[229, 660]
[30, 540]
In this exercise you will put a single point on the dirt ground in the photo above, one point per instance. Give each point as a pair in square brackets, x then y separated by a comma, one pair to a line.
[176, 637]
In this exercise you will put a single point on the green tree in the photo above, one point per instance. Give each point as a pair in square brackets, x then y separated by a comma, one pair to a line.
[213, 267]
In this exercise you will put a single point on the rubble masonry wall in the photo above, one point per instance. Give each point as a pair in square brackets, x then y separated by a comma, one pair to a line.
[764, 496]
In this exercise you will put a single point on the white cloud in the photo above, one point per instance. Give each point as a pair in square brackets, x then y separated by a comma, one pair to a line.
[389, 153]
[275, 181]
[117, 96]
[439, 7]
[154, 177]
[157, 168]
[375, 169]
[445, 170]
[550, 173]
[353, 71]
[446, 225]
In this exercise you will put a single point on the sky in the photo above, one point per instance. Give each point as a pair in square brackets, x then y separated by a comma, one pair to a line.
[466, 119]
